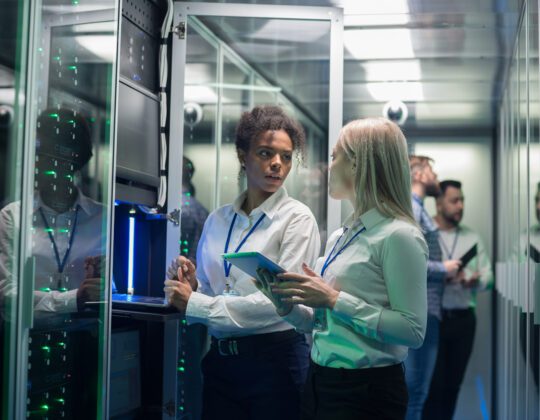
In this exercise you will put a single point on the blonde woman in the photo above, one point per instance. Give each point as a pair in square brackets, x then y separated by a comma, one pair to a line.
[365, 301]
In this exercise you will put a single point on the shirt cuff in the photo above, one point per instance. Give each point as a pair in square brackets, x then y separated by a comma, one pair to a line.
[366, 317]
[70, 301]
[298, 319]
[197, 309]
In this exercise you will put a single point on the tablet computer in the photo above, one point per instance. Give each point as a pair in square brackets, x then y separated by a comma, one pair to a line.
[468, 256]
[249, 262]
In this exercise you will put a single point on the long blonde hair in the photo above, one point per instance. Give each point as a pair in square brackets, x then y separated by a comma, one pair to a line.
[378, 150]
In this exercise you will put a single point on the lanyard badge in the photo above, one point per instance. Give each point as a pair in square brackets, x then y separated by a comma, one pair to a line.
[227, 265]
[332, 257]
[61, 264]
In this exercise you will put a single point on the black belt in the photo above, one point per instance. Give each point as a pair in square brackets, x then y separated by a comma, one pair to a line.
[366, 374]
[457, 313]
[251, 344]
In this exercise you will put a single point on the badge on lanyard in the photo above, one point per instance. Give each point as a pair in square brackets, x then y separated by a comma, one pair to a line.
[60, 277]
[229, 291]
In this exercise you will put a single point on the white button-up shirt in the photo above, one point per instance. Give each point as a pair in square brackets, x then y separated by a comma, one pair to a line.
[455, 295]
[381, 310]
[87, 242]
[288, 235]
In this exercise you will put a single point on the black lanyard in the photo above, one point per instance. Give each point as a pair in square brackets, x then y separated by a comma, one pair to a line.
[331, 258]
[227, 265]
[450, 254]
[61, 264]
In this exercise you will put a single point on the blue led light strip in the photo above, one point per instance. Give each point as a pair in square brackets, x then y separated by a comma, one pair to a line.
[130, 258]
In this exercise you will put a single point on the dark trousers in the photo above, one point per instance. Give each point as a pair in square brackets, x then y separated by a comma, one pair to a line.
[353, 394]
[534, 346]
[264, 380]
[456, 338]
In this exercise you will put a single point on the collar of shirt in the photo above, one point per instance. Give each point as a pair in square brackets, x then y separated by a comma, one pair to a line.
[269, 207]
[417, 198]
[82, 201]
[369, 219]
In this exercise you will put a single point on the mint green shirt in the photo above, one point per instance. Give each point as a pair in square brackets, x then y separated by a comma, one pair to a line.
[381, 310]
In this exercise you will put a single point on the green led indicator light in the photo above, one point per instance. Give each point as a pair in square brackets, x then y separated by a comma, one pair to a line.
[45, 289]
[182, 361]
[72, 68]
[48, 230]
[187, 203]
[181, 408]
[188, 194]
[53, 115]
[57, 58]
[49, 173]
[185, 242]
[62, 289]
[60, 400]
[63, 230]
[75, 2]
[46, 348]
[184, 321]
[44, 407]
[186, 250]
[181, 369]
[40, 49]
[61, 344]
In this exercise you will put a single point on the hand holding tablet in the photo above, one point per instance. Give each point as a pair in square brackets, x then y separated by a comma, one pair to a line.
[264, 271]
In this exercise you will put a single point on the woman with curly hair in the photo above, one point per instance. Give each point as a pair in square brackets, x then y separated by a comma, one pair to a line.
[257, 362]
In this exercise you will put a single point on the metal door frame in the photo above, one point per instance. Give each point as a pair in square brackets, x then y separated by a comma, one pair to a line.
[182, 10]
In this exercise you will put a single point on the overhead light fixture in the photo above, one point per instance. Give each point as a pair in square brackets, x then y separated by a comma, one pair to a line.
[291, 31]
[396, 91]
[396, 71]
[376, 20]
[362, 7]
[376, 44]
[200, 94]
[103, 46]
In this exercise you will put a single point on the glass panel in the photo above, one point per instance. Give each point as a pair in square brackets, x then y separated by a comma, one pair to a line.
[12, 92]
[261, 65]
[69, 237]
[200, 114]
[533, 206]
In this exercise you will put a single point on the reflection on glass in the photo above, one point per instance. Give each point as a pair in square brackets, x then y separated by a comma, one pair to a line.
[534, 208]
[68, 235]
[12, 88]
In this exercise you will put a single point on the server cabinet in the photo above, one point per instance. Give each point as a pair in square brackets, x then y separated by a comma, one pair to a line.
[56, 233]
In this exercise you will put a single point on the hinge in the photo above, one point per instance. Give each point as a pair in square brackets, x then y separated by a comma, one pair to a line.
[180, 30]
[174, 217]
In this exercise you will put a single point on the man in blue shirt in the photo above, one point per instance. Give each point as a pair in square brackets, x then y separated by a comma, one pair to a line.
[421, 362]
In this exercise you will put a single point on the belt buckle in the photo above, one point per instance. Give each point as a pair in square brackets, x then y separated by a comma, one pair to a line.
[227, 347]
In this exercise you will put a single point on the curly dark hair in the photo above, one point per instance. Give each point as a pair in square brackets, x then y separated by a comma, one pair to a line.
[265, 118]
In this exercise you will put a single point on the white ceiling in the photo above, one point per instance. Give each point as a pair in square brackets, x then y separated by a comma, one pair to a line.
[445, 59]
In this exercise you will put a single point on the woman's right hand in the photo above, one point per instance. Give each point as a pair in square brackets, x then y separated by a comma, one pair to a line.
[183, 267]
[264, 282]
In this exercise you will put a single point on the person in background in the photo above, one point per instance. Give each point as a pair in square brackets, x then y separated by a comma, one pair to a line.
[421, 362]
[193, 213]
[67, 246]
[457, 327]
[257, 363]
[365, 300]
